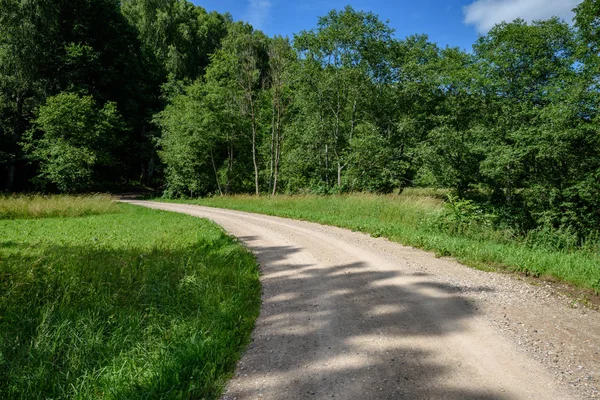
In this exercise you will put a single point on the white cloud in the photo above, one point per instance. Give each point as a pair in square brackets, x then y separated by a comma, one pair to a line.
[484, 14]
[258, 12]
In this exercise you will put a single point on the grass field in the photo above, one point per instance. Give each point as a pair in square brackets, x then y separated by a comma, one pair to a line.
[131, 303]
[422, 219]
[17, 207]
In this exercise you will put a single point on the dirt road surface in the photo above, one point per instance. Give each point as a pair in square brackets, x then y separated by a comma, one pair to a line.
[347, 316]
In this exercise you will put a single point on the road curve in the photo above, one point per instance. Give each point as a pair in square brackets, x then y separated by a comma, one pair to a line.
[348, 316]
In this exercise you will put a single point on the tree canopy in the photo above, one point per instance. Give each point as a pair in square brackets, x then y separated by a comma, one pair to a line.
[163, 93]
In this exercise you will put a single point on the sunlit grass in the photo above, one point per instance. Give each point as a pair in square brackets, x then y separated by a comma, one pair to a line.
[421, 219]
[130, 305]
[41, 206]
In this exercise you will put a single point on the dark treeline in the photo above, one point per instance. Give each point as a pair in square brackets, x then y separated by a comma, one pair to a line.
[107, 93]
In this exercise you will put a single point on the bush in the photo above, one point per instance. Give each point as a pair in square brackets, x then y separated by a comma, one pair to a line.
[71, 138]
[464, 217]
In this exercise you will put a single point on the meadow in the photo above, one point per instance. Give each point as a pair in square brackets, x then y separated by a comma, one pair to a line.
[44, 206]
[106, 300]
[430, 220]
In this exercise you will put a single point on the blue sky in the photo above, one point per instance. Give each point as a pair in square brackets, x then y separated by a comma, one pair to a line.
[447, 22]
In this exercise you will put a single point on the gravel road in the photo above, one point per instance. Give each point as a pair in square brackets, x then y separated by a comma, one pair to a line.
[348, 316]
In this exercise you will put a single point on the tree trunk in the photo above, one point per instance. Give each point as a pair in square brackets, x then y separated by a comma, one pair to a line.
[275, 176]
[278, 142]
[326, 166]
[12, 171]
[212, 159]
[229, 167]
[352, 124]
[255, 164]
[277, 160]
[254, 154]
[337, 138]
[16, 136]
[149, 173]
[273, 148]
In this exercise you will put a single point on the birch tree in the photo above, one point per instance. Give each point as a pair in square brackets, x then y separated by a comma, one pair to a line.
[239, 67]
[346, 52]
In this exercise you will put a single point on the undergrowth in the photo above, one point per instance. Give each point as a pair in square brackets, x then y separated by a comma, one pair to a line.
[132, 305]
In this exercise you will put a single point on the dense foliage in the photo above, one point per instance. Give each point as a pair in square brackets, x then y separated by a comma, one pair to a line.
[217, 107]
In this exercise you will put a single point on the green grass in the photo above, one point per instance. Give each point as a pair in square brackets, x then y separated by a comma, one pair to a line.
[128, 305]
[39, 206]
[421, 219]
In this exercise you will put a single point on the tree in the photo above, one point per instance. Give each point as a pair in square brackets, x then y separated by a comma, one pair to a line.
[282, 59]
[71, 139]
[202, 142]
[451, 154]
[587, 21]
[240, 68]
[187, 144]
[369, 168]
[340, 58]
[22, 45]
[177, 35]
[412, 99]
[50, 47]
[521, 66]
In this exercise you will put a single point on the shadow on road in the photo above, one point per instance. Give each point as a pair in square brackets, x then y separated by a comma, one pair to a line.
[349, 332]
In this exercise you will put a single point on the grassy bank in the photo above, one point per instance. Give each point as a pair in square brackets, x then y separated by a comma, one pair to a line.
[129, 304]
[40, 206]
[423, 220]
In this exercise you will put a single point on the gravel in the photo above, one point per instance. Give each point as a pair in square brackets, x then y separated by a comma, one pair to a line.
[349, 316]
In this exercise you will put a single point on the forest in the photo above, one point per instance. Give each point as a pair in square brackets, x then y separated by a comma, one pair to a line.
[106, 95]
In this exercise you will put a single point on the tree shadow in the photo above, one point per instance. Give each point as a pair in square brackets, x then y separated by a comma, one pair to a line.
[347, 331]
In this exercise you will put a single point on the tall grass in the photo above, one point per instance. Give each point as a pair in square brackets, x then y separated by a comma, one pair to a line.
[132, 305]
[40, 206]
[422, 219]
